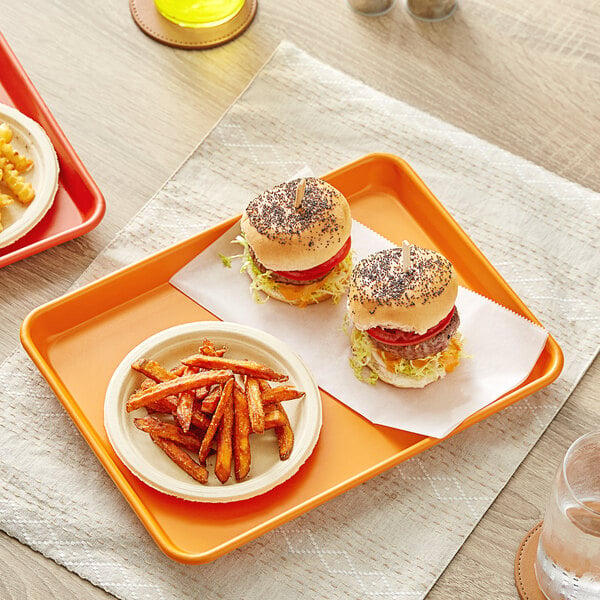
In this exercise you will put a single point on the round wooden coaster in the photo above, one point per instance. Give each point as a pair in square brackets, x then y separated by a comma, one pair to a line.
[152, 23]
[525, 580]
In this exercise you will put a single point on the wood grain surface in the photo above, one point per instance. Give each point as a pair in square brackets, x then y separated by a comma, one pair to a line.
[524, 76]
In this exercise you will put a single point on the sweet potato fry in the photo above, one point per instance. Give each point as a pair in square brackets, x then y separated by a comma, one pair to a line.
[185, 405]
[280, 393]
[201, 393]
[241, 434]
[216, 419]
[224, 442]
[153, 370]
[208, 349]
[242, 367]
[285, 436]
[176, 386]
[169, 431]
[264, 386]
[168, 405]
[255, 406]
[209, 404]
[274, 418]
[181, 458]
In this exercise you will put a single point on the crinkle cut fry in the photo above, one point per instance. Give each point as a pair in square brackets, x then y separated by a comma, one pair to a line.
[21, 163]
[242, 367]
[6, 133]
[181, 458]
[216, 419]
[22, 189]
[176, 386]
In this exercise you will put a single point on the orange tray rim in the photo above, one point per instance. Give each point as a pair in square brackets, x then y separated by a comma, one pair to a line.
[111, 465]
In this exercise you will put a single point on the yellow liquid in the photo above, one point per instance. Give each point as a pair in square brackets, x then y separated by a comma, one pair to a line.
[199, 13]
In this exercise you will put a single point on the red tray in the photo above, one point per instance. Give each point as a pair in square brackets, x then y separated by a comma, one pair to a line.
[78, 206]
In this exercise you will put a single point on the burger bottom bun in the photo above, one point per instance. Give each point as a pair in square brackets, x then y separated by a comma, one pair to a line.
[403, 381]
[315, 298]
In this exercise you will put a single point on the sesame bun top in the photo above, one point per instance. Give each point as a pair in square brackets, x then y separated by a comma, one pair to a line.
[289, 238]
[383, 294]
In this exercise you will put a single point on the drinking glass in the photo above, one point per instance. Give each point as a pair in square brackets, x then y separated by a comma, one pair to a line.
[199, 13]
[567, 565]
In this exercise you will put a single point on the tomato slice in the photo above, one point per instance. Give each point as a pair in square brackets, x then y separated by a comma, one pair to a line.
[319, 270]
[397, 337]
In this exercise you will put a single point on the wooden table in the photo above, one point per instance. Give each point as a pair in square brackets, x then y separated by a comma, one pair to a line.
[524, 76]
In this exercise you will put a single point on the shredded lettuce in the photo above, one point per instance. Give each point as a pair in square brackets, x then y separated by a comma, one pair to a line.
[364, 353]
[335, 284]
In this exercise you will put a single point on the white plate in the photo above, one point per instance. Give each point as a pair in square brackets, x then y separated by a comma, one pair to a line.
[148, 462]
[30, 140]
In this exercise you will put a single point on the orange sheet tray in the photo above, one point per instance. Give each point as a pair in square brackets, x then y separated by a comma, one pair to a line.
[78, 340]
[78, 205]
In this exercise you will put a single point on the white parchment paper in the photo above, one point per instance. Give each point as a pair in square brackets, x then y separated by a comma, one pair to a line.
[501, 346]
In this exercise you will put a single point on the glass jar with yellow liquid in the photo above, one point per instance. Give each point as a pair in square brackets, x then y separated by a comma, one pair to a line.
[199, 13]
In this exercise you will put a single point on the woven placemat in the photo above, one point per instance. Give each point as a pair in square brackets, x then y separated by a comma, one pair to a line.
[394, 535]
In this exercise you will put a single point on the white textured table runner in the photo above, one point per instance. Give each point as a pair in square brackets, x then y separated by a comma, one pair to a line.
[394, 535]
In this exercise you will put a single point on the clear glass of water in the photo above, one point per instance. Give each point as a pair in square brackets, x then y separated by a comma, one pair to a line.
[567, 565]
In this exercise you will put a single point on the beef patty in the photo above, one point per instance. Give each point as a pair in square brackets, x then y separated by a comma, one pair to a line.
[424, 349]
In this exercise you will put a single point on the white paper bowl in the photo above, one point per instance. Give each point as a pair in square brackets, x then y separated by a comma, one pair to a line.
[150, 464]
[30, 140]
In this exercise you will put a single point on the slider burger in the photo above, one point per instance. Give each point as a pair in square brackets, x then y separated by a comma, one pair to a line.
[296, 239]
[401, 304]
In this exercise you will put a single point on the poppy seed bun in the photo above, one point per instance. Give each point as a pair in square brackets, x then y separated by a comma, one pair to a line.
[286, 238]
[382, 294]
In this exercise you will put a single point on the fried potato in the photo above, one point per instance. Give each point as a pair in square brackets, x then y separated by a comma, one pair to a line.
[255, 405]
[209, 404]
[169, 431]
[168, 406]
[242, 367]
[214, 422]
[209, 410]
[224, 442]
[22, 190]
[176, 386]
[185, 405]
[285, 436]
[21, 163]
[6, 133]
[274, 418]
[154, 370]
[208, 348]
[181, 458]
[280, 394]
[241, 434]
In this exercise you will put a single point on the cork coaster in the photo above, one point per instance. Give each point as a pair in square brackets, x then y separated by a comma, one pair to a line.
[525, 580]
[152, 23]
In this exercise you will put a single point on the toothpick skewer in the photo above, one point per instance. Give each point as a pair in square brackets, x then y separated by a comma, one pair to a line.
[300, 193]
[406, 256]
